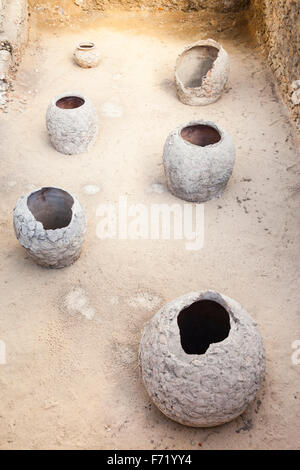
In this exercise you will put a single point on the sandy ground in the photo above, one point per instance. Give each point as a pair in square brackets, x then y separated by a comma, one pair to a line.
[72, 335]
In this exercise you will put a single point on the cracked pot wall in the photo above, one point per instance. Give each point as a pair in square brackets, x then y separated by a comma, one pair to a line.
[276, 26]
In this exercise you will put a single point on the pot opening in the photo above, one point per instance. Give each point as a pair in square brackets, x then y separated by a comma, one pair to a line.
[52, 207]
[201, 324]
[86, 45]
[70, 102]
[194, 65]
[200, 134]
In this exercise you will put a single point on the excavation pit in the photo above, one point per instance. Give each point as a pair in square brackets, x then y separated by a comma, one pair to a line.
[232, 257]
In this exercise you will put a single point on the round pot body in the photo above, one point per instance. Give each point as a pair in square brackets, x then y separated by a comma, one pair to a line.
[87, 55]
[202, 359]
[201, 72]
[198, 161]
[50, 224]
[72, 123]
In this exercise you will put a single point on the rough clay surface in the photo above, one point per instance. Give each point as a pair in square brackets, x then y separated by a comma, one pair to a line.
[196, 173]
[208, 389]
[72, 131]
[51, 248]
[213, 83]
[72, 382]
[87, 58]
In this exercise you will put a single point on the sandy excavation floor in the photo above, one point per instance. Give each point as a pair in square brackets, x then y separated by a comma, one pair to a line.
[72, 335]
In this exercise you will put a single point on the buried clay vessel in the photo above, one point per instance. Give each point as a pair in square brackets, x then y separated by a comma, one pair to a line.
[72, 123]
[202, 359]
[201, 72]
[198, 161]
[87, 55]
[50, 224]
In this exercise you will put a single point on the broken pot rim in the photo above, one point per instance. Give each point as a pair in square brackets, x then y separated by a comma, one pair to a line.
[214, 296]
[202, 42]
[201, 122]
[174, 342]
[62, 229]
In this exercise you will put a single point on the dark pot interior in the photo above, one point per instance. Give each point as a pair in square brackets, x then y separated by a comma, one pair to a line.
[52, 207]
[201, 324]
[201, 135]
[70, 102]
[86, 45]
[194, 65]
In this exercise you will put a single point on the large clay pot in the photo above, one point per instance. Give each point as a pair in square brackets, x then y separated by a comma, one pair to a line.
[72, 123]
[202, 359]
[50, 224]
[201, 72]
[87, 55]
[198, 161]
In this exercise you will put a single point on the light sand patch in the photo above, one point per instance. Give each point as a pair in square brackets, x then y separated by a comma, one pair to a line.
[77, 303]
[145, 300]
[91, 189]
[112, 109]
[157, 188]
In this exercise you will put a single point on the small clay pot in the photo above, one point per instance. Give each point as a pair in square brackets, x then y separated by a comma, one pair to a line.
[202, 359]
[72, 123]
[50, 224]
[198, 161]
[87, 55]
[201, 72]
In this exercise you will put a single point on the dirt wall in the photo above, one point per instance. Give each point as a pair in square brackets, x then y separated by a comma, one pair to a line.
[184, 5]
[276, 25]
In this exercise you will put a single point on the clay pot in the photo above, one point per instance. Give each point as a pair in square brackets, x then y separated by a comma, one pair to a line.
[50, 224]
[87, 55]
[72, 123]
[201, 72]
[198, 161]
[202, 359]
